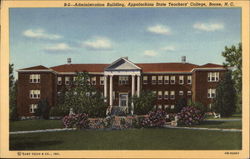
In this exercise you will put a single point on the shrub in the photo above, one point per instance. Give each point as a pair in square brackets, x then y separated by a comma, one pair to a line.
[156, 118]
[43, 109]
[190, 116]
[76, 120]
[57, 111]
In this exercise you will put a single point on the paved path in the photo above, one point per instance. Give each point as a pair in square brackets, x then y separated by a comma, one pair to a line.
[210, 129]
[41, 131]
[223, 120]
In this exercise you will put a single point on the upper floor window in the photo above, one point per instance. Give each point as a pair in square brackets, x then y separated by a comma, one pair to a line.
[189, 79]
[123, 80]
[172, 80]
[166, 95]
[166, 106]
[67, 79]
[181, 93]
[213, 76]
[159, 94]
[154, 92]
[102, 80]
[153, 79]
[59, 80]
[160, 79]
[34, 94]
[189, 93]
[35, 78]
[172, 95]
[145, 79]
[33, 108]
[181, 79]
[166, 79]
[93, 80]
[211, 93]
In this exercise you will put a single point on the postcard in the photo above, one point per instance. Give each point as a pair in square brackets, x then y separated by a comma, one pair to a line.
[124, 79]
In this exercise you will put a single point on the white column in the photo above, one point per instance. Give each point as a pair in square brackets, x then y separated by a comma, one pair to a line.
[105, 88]
[138, 85]
[111, 90]
[133, 85]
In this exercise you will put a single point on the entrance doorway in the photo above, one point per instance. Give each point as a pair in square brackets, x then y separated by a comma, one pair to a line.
[123, 99]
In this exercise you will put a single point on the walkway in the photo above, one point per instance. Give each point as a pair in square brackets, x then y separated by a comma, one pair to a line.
[41, 131]
[210, 129]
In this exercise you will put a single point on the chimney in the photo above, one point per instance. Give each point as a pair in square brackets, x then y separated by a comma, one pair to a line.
[68, 60]
[183, 59]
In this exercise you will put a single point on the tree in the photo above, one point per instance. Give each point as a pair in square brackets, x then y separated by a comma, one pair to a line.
[82, 97]
[43, 109]
[12, 94]
[233, 57]
[144, 103]
[225, 100]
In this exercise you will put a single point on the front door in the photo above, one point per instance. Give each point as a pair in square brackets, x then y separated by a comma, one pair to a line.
[123, 99]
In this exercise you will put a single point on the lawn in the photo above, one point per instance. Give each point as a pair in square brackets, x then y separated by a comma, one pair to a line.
[130, 139]
[25, 125]
[220, 124]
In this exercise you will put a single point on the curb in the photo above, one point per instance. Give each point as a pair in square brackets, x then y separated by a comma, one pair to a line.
[41, 131]
[210, 129]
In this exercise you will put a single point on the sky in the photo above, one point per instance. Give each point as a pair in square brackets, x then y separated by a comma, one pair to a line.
[48, 36]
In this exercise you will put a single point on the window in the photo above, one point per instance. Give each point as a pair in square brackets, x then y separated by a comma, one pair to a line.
[160, 79]
[102, 80]
[159, 94]
[123, 80]
[172, 107]
[67, 80]
[189, 79]
[211, 93]
[33, 108]
[153, 79]
[166, 95]
[154, 92]
[159, 106]
[74, 78]
[166, 79]
[181, 93]
[172, 95]
[34, 94]
[59, 80]
[166, 106]
[189, 93]
[213, 76]
[181, 79]
[145, 79]
[172, 81]
[113, 94]
[35, 78]
[93, 80]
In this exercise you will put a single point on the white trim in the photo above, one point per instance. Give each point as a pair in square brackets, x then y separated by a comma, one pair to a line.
[122, 58]
[166, 73]
[43, 70]
[107, 73]
[210, 69]
[74, 73]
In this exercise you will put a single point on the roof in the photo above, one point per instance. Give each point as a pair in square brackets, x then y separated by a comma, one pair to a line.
[39, 67]
[211, 65]
[166, 67]
[146, 67]
[80, 68]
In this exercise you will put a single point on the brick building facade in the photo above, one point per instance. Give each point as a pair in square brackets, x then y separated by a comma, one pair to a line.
[120, 80]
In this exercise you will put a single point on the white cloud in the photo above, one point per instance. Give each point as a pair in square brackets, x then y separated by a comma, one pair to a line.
[59, 47]
[150, 53]
[208, 26]
[159, 29]
[98, 43]
[40, 34]
[168, 48]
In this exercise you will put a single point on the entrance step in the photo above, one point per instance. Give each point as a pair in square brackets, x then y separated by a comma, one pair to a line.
[119, 111]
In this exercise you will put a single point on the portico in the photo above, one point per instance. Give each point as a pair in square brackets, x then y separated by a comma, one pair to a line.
[122, 67]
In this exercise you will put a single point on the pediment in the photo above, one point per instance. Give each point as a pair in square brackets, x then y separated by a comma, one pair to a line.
[122, 64]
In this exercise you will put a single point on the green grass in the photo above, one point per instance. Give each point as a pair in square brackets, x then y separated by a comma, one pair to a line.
[221, 124]
[25, 125]
[131, 139]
